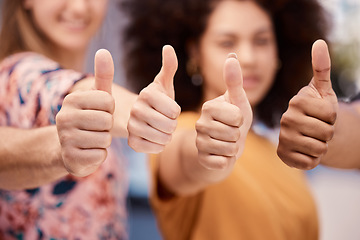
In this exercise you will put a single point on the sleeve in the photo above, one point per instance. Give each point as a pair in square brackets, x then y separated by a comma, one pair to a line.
[39, 87]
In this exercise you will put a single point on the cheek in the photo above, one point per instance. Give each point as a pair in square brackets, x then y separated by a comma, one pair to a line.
[44, 21]
[212, 70]
[268, 68]
[99, 12]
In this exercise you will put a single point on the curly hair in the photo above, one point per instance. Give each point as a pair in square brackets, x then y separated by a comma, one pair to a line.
[154, 23]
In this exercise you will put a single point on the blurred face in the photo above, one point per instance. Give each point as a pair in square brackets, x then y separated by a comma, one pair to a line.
[246, 29]
[68, 24]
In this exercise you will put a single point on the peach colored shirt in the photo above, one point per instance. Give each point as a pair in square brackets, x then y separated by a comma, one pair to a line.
[32, 89]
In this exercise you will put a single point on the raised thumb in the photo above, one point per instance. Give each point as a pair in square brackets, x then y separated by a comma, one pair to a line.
[169, 66]
[321, 65]
[234, 80]
[104, 70]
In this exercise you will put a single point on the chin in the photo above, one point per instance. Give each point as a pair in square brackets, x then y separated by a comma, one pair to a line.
[254, 101]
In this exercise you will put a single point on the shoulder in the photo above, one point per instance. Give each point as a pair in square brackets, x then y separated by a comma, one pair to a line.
[30, 67]
[27, 63]
[27, 58]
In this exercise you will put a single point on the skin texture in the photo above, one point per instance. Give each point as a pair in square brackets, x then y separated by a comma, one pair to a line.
[49, 153]
[88, 115]
[254, 44]
[343, 149]
[38, 156]
[316, 129]
[193, 159]
[68, 26]
[308, 124]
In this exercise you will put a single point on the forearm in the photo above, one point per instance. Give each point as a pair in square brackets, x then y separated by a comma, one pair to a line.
[179, 167]
[344, 151]
[124, 101]
[29, 158]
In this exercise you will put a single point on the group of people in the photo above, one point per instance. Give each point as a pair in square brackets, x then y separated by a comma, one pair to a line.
[213, 81]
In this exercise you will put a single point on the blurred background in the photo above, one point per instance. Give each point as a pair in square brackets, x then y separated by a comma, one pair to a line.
[345, 39]
[337, 192]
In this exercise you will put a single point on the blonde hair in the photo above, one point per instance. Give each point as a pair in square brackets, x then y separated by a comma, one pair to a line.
[18, 32]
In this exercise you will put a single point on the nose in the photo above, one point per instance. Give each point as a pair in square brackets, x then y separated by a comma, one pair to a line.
[246, 54]
[78, 6]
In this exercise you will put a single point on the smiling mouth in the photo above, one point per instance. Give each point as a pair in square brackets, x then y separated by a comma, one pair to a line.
[76, 25]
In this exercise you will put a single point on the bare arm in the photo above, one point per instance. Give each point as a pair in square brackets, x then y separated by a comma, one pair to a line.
[315, 128]
[33, 157]
[344, 150]
[124, 99]
[192, 159]
[307, 126]
[29, 158]
[90, 116]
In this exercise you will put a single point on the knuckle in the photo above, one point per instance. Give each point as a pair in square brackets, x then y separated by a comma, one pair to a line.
[221, 164]
[318, 150]
[146, 94]
[167, 138]
[281, 154]
[65, 137]
[141, 145]
[199, 142]
[133, 128]
[301, 165]
[284, 154]
[109, 102]
[136, 110]
[171, 126]
[332, 115]
[130, 126]
[214, 163]
[329, 133]
[296, 101]
[232, 149]
[287, 119]
[238, 118]
[133, 142]
[235, 135]
[323, 149]
[63, 118]
[207, 107]
[200, 126]
[71, 99]
[107, 140]
[108, 121]
[177, 111]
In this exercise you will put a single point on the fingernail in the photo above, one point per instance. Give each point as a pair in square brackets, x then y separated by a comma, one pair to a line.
[232, 55]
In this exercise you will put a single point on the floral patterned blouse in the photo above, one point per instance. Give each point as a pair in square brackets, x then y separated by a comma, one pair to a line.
[32, 89]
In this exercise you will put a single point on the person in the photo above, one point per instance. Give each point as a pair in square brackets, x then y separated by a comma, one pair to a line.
[306, 129]
[54, 185]
[304, 142]
[202, 187]
[43, 47]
